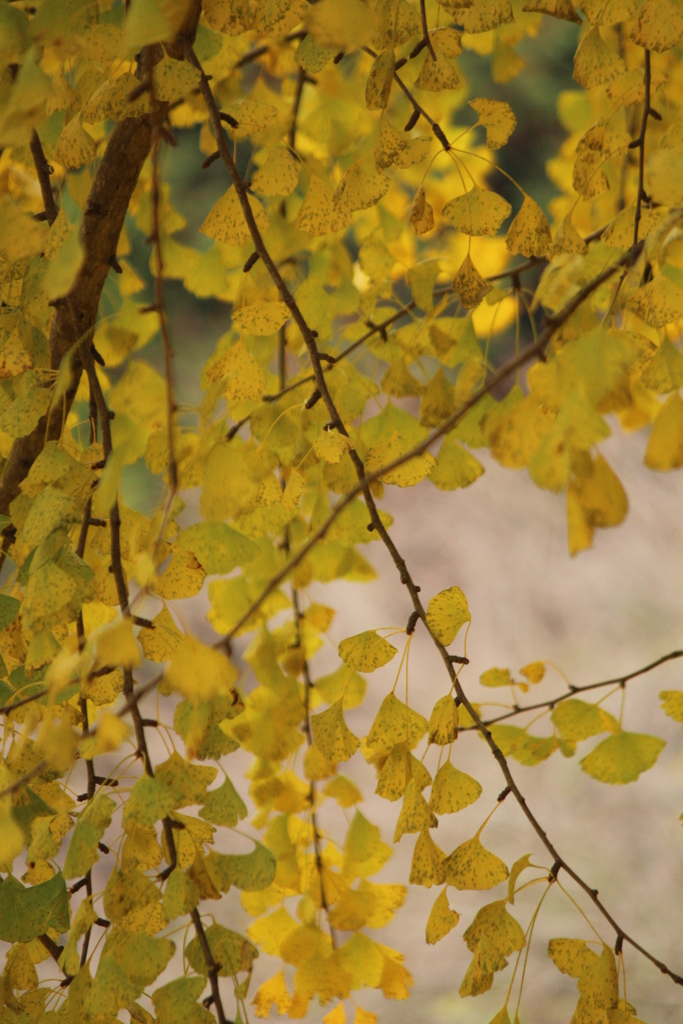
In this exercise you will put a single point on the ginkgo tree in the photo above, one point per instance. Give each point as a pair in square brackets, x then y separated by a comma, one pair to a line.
[368, 266]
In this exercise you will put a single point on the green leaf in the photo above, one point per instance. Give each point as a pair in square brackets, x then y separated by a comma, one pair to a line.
[250, 872]
[186, 782]
[229, 949]
[26, 912]
[90, 827]
[621, 758]
[176, 1002]
[181, 895]
[217, 547]
[224, 806]
[9, 609]
[129, 963]
[148, 801]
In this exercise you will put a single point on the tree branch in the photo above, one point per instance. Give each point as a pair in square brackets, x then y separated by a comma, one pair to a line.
[640, 145]
[43, 170]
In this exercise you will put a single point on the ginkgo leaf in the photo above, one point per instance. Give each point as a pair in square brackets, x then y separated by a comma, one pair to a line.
[218, 548]
[335, 1016]
[331, 446]
[278, 176]
[495, 677]
[398, 769]
[225, 221]
[272, 992]
[622, 757]
[659, 26]
[471, 287]
[223, 806]
[498, 119]
[659, 302]
[520, 865]
[477, 212]
[318, 214]
[395, 148]
[484, 15]
[364, 851]
[441, 918]
[244, 378]
[421, 214]
[261, 318]
[148, 802]
[452, 790]
[116, 645]
[534, 671]
[200, 672]
[472, 866]
[596, 63]
[75, 147]
[366, 651]
[443, 721]
[672, 704]
[455, 467]
[529, 233]
[407, 475]
[571, 956]
[395, 723]
[359, 189]
[415, 815]
[576, 720]
[341, 24]
[379, 80]
[427, 867]
[180, 896]
[251, 872]
[446, 613]
[332, 735]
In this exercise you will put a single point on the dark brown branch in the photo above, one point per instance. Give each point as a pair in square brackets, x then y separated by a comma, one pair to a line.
[44, 170]
[640, 145]
[211, 965]
[425, 30]
[20, 703]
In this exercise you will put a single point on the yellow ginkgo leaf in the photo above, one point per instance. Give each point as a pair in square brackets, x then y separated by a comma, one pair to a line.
[318, 214]
[484, 15]
[331, 446]
[332, 735]
[364, 1016]
[366, 651]
[659, 302]
[477, 212]
[244, 378]
[498, 119]
[529, 233]
[446, 613]
[427, 864]
[455, 466]
[398, 770]
[395, 723]
[278, 176]
[335, 1016]
[116, 645]
[659, 26]
[441, 919]
[415, 814]
[378, 85]
[672, 704]
[596, 63]
[75, 147]
[407, 475]
[272, 992]
[421, 214]
[225, 221]
[261, 318]
[534, 671]
[495, 677]
[443, 721]
[200, 672]
[452, 790]
[472, 866]
[470, 286]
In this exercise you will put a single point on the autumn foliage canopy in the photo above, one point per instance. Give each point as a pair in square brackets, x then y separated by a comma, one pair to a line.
[393, 302]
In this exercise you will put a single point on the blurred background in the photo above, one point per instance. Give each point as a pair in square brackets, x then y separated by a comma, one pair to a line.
[612, 610]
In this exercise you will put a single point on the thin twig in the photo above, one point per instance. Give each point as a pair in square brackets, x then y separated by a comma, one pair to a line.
[640, 145]
[573, 690]
[425, 29]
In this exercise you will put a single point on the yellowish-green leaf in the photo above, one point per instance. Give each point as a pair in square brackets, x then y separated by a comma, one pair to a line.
[332, 735]
[366, 651]
[223, 806]
[261, 318]
[452, 790]
[477, 212]
[622, 757]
